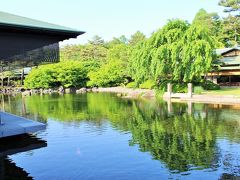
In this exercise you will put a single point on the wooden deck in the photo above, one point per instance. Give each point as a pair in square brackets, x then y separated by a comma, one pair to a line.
[15, 125]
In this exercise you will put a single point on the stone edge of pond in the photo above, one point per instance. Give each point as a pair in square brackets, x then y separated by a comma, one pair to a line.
[134, 93]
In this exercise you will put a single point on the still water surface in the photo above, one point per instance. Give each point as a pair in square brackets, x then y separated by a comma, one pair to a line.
[102, 136]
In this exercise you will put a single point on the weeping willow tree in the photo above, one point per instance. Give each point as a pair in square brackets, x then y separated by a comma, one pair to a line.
[179, 52]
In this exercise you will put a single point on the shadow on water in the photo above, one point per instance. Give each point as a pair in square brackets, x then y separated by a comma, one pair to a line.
[185, 137]
[12, 145]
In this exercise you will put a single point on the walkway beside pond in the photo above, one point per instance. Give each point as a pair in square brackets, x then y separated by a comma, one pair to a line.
[128, 92]
[15, 125]
[210, 99]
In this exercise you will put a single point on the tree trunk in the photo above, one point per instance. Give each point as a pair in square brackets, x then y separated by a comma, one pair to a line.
[8, 81]
[22, 77]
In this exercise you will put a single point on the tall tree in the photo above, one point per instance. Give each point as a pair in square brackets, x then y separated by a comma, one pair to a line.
[123, 39]
[213, 23]
[177, 52]
[137, 38]
[230, 5]
[96, 40]
[232, 21]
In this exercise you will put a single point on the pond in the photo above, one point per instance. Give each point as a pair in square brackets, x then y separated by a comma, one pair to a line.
[102, 136]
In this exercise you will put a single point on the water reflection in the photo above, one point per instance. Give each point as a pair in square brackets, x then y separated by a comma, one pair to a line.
[185, 137]
[13, 145]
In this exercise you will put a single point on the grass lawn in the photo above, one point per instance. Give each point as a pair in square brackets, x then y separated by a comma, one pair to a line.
[224, 91]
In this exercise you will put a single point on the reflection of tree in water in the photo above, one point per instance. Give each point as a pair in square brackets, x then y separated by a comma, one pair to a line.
[13, 145]
[180, 138]
[178, 141]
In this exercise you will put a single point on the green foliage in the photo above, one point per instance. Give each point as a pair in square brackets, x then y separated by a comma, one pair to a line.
[84, 53]
[120, 52]
[179, 87]
[198, 90]
[209, 85]
[110, 74]
[231, 30]
[149, 84]
[96, 41]
[95, 50]
[41, 77]
[137, 38]
[230, 5]
[132, 85]
[231, 22]
[67, 74]
[71, 74]
[212, 23]
[177, 52]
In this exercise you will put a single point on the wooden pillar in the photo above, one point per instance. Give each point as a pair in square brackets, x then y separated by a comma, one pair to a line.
[41, 91]
[2, 109]
[215, 81]
[22, 76]
[169, 90]
[190, 89]
[2, 79]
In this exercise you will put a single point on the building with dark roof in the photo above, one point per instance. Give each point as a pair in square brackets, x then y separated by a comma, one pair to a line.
[28, 42]
[229, 71]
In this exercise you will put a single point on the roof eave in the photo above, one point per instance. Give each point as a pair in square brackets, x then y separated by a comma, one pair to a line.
[71, 33]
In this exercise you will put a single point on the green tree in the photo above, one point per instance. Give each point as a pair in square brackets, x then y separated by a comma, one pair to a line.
[120, 52]
[230, 5]
[117, 41]
[213, 23]
[94, 52]
[67, 74]
[137, 38]
[71, 52]
[177, 52]
[108, 75]
[232, 21]
[97, 41]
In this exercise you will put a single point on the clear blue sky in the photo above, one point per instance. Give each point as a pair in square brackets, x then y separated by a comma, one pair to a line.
[109, 18]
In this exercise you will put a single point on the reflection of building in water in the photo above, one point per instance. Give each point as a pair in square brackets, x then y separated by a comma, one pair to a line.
[9, 170]
[13, 145]
[226, 176]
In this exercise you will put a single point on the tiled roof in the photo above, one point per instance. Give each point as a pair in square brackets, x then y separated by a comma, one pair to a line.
[231, 60]
[224, 50]
[19, 21]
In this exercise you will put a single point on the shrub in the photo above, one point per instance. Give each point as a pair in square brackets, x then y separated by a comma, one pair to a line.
[67, 74]
[109, 75]
[149, 84]
[176, 86]
[198, 90]
[159, 93]
[42, 77]
[209, 85]
[132, 85]
[179, 88]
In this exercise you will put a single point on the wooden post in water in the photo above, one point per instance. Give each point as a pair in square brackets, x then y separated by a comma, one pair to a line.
[169, 105]
[189, 107]
[2, 109]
